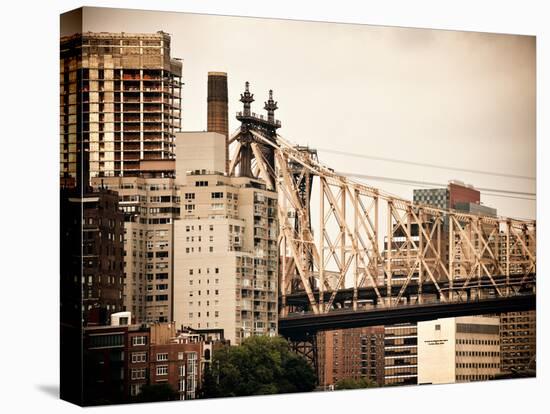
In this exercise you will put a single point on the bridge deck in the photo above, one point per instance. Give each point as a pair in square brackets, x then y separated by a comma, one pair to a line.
[299, 326]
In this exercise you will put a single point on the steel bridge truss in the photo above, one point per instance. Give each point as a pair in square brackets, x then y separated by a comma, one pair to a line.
[386, 248]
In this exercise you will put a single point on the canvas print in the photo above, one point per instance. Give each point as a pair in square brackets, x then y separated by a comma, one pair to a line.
[259, 206]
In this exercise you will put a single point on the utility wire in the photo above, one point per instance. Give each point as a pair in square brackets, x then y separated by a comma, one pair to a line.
[421, 164]
[489, 191]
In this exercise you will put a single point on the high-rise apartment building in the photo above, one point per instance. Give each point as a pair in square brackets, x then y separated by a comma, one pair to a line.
[150, 206]
[458, 349]
[92, 247]
[353, 353]
[119, 105]
[225, 244]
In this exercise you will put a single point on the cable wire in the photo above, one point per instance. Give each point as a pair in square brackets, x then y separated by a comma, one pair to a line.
[421, 164]
[489, 191]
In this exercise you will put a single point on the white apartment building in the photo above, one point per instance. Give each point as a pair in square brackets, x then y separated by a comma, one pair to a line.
[458, 349]
[225, 244]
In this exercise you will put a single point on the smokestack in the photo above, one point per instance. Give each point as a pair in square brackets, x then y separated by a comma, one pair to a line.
[217, 108]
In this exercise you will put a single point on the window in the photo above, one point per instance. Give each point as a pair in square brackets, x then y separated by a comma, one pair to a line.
[135, 389]
[201, 183]
[182, 368]
[217, 195]
[211, 227]
[162, 356]
[180, 355]
[139, 357]
[139, 340]
[162, 370]
[437, 327]
[137, 373]
[161, 298]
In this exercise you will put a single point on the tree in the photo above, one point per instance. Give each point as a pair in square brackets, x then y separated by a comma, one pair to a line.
[352, 384]
[261, 365]
[156, 392]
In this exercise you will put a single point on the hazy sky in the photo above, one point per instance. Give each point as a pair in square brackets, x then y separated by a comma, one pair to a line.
[459, 99]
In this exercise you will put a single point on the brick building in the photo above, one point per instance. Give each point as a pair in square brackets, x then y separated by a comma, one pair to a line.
[353, 353]
[120, 360]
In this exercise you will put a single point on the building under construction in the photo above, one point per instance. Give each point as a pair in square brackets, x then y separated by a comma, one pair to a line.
[119, 105]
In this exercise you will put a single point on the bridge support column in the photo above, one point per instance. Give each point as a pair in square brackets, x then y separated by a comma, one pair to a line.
[307, 348]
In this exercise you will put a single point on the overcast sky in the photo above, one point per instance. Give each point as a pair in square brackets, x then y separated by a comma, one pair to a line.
[459, 99]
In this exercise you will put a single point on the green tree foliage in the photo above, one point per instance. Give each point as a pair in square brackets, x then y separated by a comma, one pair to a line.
[156, 392]
[352, 384]
[261, 365]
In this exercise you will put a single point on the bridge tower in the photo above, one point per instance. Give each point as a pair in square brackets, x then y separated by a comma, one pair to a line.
[254, 158]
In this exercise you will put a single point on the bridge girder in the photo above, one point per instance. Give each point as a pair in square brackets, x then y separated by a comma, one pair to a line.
[367, 238]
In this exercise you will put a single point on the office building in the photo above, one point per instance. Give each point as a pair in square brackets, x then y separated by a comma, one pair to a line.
[447, 198]
[119, 104]
[400, 354]
[458, 349]
[225, 244]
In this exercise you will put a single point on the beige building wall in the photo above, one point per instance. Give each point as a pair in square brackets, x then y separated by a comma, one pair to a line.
[225, 246]
[436, 351]
[199, 151]
[458, 349]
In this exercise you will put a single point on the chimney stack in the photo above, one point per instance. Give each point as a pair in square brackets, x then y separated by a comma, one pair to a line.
[217, 108]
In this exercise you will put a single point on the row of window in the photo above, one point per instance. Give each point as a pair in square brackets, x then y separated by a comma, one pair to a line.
[157, 287]
[199, 238]
[216, 314]
[216, 292]
[199, 249]
[477, 342]
[140, 357]
[157, 276]
[473, 377]
[216, 270]
[158, 298]
[478, 353]
[216, 303]
[477, 365]
[216, 281]
[192, 228]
